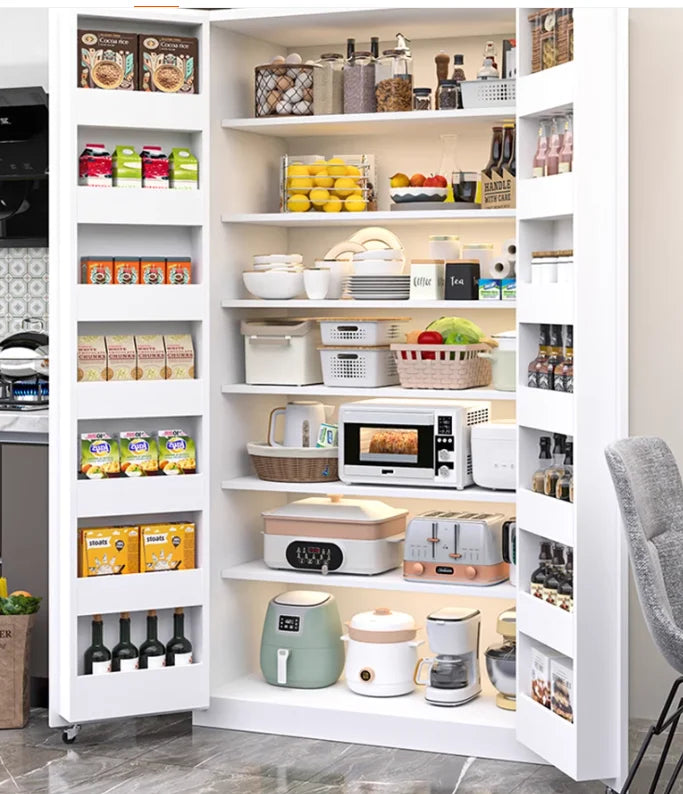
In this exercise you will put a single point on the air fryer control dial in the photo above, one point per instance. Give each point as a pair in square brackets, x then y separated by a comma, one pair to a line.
[307, 556]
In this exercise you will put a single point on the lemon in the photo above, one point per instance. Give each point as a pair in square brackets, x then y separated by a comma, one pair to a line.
[299, 184]
[352, 170]
[333, 205]
[344, 186]
[400, 180]
[336, 167]
[323, 179]
[355, 204]
[298, 203]
[319, 196]
[317, 167]
[297, 169]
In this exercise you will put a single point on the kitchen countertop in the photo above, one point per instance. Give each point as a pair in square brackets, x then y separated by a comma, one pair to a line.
[24, 427]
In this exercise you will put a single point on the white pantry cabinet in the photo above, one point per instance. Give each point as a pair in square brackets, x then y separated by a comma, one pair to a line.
[233, 216]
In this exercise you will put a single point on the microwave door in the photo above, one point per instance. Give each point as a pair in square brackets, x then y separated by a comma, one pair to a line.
[397, 450]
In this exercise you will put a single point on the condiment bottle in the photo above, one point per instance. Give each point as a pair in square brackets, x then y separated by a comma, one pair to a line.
[562, 489]
[488, 71]
[547, 374]
[565, 590]
[554, 472]
[553, 155]
[539, 575]
[567, 150]
[539, 164]
[563, 377]
[459, 74]
[555, 577]
[496, 151]
[441, 60]
[544, 461]
[537, 364]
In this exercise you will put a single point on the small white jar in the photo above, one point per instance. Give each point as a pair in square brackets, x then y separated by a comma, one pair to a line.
[483, 252]
[543, 267]
[445, 246]
[565, 266]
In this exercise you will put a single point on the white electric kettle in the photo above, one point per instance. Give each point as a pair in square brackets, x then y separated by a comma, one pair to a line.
[302, 423]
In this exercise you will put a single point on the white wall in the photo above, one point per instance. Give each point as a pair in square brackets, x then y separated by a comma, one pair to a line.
[23, 47]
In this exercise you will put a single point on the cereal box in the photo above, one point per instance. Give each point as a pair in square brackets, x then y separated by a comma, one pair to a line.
[121, 357]
[139, 453]
[97, 270]
[179, 270]
[99, 456]
[154, 167]
[152, 270]
[176, 452]
[167, 547]
[92, 359]
[109, 550]
[126, 167]
[562, 698]
[540, 675]
[151, 356]
[179, 356]
[107, 60]
[169, 64]
[183, 169]
[126, 270]
[95, 166]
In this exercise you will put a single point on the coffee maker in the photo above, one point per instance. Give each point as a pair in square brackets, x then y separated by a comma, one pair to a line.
[452, 676]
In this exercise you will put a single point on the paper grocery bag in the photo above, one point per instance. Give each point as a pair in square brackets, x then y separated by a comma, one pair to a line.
[15, 655]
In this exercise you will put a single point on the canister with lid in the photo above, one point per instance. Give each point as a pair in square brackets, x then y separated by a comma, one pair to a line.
[422, 98]
[565, 266]
[449, 92]
[444, 246]
[543, 267]
[394, 81]
[483, 252]
[359, 83]
[328, 85]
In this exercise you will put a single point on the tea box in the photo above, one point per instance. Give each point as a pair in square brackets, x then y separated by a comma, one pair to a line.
[152, 270]
[97, 270]
[126, 270]
[179, 270]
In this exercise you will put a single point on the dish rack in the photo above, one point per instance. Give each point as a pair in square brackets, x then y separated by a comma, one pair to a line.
[442, 366]
[365, 163]
[294, 464]
[368, 367]
[360, 331]
[488, 93]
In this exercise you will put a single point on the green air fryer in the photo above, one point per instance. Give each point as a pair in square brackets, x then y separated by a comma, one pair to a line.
[301, 645]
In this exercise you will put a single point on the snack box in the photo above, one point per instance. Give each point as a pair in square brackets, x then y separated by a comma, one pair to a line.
[97, 270]
[152, 270]
[176, 452]
[121, 357]
[92, 359]
[151, 356]
[99, 456]
[154, 168]
[489, 289]
[109, 550]
[179, 356]
[107, 60]
[179, 270]
[562, 681]
[540, 675]
[126, 167]
[508, 289]
[126, 270]
[139, 453]
[167, 547]
[95, 166]
[169, 64]
[183, 169]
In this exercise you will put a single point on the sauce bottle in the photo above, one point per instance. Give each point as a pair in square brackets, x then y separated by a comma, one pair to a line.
[553, 156]
[554, 472]
[539, 163]
[544, 461]
[538, 577]
[541, 360]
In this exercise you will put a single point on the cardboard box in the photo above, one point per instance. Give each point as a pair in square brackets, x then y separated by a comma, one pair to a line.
[121, 357]
[508, 289]
[154, 168]
[126, 270]
[97, 270]
[176, 452]
[92, 359]
[95, 166]
[109, 550]
[540, 675]
[183, 170]
[179, 356]
[139, 453]
[179, 270]
[489, 289]
[152, 270]
[151, 357]
[499, 193]
[126, 167]
[169, 64]
[107, 60]
[99, 456]
[167, 547]
[562, 683]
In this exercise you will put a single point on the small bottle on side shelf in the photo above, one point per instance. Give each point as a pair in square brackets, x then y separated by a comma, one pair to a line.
[544, 461]
[563, 375]
[555, 577]
[565, 590]
[540, 156]
[563, 488]
[178, 648]
[547, 372]
[554, 472]
[552, 162]
[539, 363]
[374, 46]
[538, 577]
[508, 147]
[124, 655]
[152, 651]
[567, 150]
[97, 658]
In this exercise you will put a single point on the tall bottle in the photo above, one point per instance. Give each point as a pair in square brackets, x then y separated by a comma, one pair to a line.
[124, 655]
[508, 146]
[459, 74]
[350, 48]
[538, 577]
[496, 152]
[511, 165]
[544, 461]
[374, 46]
[565, 590]
[540, 156]
[567, 150]
[97, 658]
[442, 62]
[555, 577]
[178, 648]
[563, 376]
[539, 363]
[152, 651]
[564, 482]
[553, 155]
[547, 373]
[556, 470]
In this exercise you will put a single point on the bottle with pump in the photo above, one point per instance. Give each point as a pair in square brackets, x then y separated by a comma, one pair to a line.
[554, 472]
[555, 577]
[538, 577]
[178, 648]
[564, 482]
[544, 461]
[97, 658]
[124, 655]
[152, 651]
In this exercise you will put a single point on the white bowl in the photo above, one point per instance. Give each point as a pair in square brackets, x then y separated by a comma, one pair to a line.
[386, 253]
[407, 195]
[274, 284]
[267, 259]
[378, 267]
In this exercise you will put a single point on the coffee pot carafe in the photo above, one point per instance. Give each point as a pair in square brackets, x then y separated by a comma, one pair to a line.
[302, 423]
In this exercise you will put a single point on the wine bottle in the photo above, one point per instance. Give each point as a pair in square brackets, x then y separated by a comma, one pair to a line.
[152, 651]
[178, 648]
[97, 657]
[124, 654]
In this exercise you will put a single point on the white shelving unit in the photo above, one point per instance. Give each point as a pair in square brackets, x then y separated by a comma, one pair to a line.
[235, 217]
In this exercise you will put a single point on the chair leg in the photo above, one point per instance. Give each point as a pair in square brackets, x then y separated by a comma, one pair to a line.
[670, 785]
[665, 749]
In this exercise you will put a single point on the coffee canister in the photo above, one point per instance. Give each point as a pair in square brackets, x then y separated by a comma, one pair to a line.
[462, 278]
[427, 279]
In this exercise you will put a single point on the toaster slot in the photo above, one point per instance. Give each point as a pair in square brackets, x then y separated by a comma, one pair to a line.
[455, 554]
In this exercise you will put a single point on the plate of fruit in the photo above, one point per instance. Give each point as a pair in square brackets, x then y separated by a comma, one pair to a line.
[418, 187]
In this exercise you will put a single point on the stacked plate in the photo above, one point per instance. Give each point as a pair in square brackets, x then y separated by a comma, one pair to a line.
[368, 287]
[292, 263]
[387, 262]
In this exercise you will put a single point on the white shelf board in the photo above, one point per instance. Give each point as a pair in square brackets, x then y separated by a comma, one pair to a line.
[546, 198]
[546, 623]
[258, 571]
[428, 122]
[383, 391]
[138, 592]
[545, 303]
[546, 517]
[139, 110]
[478, 728]
[546, 92]
[546, 410]
[295, 220]
[169, 15]
[118, 302]
[472, 494]
[251, 303]
[134, 206]
[128, 496]
[141, 398]
[548, 734]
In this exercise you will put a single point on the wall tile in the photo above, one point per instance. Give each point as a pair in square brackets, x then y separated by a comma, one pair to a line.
[23, 287]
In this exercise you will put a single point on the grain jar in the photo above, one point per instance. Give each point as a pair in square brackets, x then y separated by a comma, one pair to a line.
[394, 81]
[359, 83]
[328, 85]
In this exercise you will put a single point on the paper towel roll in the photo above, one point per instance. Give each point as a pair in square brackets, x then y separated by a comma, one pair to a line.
[510, 250]
[501, 268]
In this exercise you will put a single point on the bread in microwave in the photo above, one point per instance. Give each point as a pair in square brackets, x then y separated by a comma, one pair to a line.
[394, 442]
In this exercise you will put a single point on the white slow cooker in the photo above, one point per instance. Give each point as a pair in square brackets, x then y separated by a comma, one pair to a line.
[381, 653]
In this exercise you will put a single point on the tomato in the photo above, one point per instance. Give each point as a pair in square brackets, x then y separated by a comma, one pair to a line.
[429, 338]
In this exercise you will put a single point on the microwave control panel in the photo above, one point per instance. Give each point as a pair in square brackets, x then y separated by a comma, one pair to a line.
[444, 447]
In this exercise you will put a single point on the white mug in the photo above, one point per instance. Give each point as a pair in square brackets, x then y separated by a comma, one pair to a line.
[316, 282]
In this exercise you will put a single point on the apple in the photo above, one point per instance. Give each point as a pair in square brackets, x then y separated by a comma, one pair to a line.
[429, 338]
[417, 180]
[436, 181]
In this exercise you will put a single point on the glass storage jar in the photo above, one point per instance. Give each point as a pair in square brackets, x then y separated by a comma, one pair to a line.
[394, 81]
[422, 98]
[448, 94]
[328, 85]
[359, 83]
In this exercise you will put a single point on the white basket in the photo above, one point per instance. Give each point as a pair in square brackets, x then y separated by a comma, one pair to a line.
[365, 367]
[488, 93]
[362, 332]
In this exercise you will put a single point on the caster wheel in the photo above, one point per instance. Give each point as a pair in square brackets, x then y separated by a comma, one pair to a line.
[70, 734]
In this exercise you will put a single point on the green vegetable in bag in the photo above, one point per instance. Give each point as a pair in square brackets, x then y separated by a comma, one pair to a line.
[19, 605]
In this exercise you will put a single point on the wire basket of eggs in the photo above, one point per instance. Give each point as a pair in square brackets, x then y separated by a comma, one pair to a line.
[284, 88]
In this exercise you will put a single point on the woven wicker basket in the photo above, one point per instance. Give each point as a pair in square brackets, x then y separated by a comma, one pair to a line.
[442, 366]
[284, 464]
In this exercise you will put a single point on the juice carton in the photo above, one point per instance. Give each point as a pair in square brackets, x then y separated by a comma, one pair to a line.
[179, 270]
[97, 270]
[176, 452]
[139, 453]
[151, 356]
[99, 456]
[92, 359]
[184, 170]
[152, 270]
[121, 357]
[95, 166]
[179, 356]
[167, 547]
[126, 270]
[154, 167]
[109, 550]
[127, 167]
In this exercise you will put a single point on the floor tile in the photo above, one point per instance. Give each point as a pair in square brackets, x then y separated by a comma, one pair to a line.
[484, 776]
[548, 780]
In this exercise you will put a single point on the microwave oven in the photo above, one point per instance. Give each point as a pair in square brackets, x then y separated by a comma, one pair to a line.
[408, 442]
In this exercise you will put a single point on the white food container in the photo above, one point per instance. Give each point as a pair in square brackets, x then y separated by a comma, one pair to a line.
[494, 452]
[483, 253]
[504, 361]
[445, 246]
[368, 332]
[281, 352]
[366, 367]
[427, 279]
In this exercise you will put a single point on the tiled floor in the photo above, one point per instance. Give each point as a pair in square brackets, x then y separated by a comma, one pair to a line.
[165, 754]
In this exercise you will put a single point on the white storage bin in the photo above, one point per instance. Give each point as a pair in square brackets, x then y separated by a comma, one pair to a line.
[338, 331]
[281, 352]
[367, 367]
[488, 93]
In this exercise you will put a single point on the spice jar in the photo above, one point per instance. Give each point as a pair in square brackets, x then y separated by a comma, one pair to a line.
[394, 81]
[565, 266]
[328, 85]
[422, 98]
[448, 95]
[543, 267]
[359, 83]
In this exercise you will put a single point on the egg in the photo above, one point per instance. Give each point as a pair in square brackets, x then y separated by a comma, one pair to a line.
[293, 57]
[278, 59]
[284, 82]
[272, 99]
[283, 108]
[308, 95]
[302, 108]
[270, 83]
[292, 95]
[304, 79]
